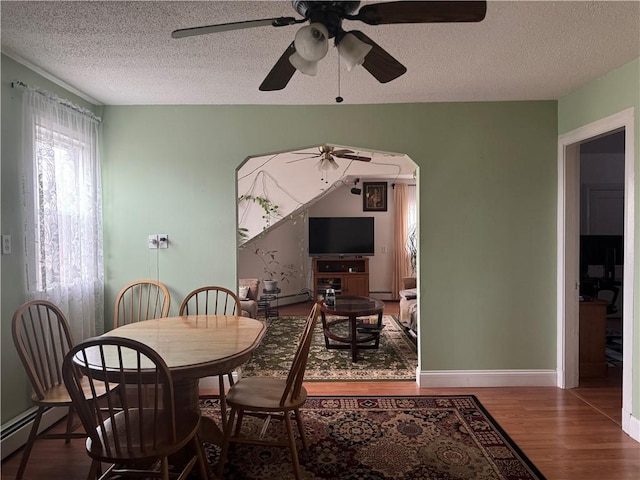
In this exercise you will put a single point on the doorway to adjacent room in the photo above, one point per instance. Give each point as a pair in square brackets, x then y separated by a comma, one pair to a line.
[589, 218]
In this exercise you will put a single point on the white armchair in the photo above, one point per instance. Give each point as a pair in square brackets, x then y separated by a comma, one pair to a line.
[249, 303]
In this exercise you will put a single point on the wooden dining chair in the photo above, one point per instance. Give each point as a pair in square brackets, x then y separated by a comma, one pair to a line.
[213, 300]
[141, 300]
[42, 337]
[141, 429]
[272, 397]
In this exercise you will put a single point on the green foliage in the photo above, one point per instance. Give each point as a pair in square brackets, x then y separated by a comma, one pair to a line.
[272, 268]
[271, 210]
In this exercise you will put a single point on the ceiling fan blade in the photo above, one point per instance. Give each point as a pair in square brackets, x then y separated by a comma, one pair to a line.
[378, 62]
[339, 153]
[354, 157]
[281, 72]
[421, 12]
[304, 158]
[225, 27]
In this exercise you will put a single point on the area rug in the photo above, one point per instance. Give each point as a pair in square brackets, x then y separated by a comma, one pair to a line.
[380, 438]
[395, 359]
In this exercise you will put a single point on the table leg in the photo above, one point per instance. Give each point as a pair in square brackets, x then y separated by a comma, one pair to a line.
[353, 321]
[324, 329]
[377, 342]
[186, 395]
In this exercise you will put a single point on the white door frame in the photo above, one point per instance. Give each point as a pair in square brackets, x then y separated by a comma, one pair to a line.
[568, 246]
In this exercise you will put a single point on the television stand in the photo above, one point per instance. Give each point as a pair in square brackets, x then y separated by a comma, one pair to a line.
[346, 275]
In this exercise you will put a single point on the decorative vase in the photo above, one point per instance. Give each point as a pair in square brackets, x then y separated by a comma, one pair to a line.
[270, 285]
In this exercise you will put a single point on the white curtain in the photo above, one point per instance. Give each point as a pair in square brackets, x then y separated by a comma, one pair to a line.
[63, 218]
[401, 256]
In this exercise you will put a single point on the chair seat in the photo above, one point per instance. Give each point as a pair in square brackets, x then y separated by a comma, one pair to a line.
[263, 394]
[59, 395]
[161, 430]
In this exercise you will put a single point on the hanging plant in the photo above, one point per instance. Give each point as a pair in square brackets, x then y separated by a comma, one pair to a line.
[271, 210]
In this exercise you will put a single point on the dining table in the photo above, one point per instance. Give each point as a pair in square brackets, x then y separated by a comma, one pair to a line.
[194, 347]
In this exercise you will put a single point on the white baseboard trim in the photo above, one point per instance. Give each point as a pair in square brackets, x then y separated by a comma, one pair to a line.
[487, 378]
[290, 299]
[19, 436]
[631, 425]
[381, 295]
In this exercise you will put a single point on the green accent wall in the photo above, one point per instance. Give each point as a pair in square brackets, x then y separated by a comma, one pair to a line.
[488, 188]
[487, 208]
[614, 92]
[487, 211]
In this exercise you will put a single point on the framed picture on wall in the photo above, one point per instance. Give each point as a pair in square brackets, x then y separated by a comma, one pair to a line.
[374, 196]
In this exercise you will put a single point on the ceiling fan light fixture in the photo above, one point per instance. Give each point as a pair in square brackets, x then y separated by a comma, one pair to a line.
[353, 50]
[326, 164]
[322, 165]
[303, 66]
[312, 42]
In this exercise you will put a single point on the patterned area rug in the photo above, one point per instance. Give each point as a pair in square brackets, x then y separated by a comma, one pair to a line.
[379, 438]
[395, 359]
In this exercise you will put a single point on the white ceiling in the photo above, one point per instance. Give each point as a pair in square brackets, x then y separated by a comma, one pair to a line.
[121, 53]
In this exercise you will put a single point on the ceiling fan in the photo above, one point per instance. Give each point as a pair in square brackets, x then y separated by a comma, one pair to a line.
[327, 155]
[325, 21]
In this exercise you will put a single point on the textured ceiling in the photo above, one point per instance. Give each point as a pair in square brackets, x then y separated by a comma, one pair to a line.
[120, 53]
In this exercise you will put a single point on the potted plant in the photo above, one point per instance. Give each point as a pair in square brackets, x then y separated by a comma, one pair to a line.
[274, 271]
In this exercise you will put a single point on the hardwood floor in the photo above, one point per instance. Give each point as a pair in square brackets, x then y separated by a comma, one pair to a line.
[568, 434]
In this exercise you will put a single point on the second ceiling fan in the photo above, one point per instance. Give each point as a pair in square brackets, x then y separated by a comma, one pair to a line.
[327, 155]
[325, 22]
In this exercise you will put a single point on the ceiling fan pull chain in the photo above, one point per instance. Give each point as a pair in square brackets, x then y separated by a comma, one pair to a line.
[339, 99]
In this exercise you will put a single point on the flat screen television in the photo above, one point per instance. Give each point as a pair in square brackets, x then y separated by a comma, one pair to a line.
[341, 236]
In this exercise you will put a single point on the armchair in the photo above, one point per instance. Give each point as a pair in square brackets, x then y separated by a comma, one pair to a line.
[249, 304]
[409, 304]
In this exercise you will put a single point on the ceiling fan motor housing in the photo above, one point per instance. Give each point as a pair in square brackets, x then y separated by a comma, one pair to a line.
[330, 14]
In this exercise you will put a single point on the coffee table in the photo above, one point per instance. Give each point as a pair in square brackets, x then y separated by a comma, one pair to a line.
[352, 308]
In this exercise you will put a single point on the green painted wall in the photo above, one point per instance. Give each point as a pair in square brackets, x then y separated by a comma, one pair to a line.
[487, 208]
[613, 93]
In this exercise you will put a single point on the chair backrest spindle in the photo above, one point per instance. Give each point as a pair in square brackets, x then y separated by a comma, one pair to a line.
[145, 393]
[141, 300]
[211, 300]
[299, 364]
[42, 338]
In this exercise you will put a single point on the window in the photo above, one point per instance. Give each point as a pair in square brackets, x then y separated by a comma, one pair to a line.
[63, 219]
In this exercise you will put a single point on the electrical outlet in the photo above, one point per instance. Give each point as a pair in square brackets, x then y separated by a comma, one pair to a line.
[163, 240]
[153, 241]
[6, 244]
